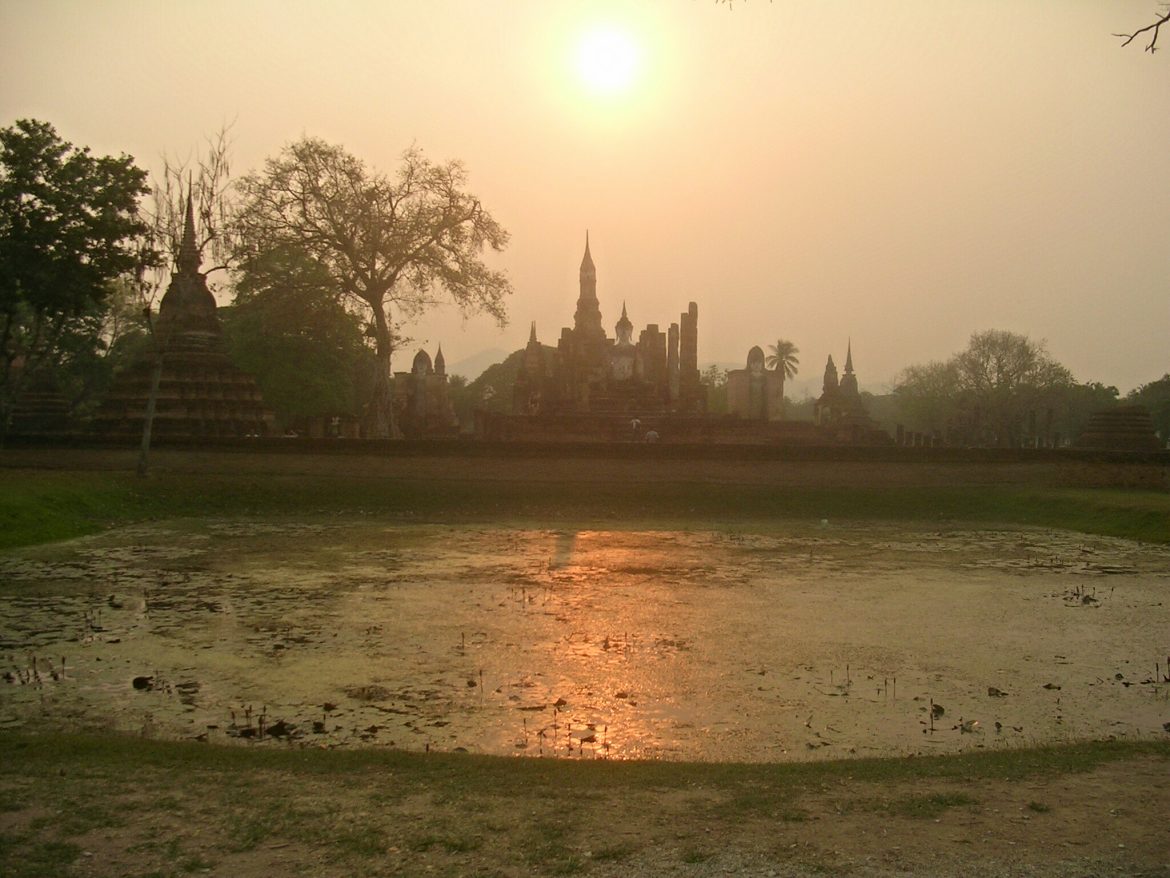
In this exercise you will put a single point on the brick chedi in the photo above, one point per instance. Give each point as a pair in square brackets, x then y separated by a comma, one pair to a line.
[200, 392]
[1125, 428]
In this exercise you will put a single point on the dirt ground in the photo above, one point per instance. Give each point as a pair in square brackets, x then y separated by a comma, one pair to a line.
[1108, 822]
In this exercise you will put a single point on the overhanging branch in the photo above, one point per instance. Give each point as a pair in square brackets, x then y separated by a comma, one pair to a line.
[1152, 46]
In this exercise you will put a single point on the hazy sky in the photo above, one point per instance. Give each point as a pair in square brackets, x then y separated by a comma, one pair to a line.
[899, 173]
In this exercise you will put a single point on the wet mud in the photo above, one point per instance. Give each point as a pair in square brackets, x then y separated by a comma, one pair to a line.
[779, 642]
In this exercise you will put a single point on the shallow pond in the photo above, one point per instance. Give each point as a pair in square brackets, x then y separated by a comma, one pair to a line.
[777, 642]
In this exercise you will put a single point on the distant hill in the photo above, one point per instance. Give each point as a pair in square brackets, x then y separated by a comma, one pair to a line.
[472, 367]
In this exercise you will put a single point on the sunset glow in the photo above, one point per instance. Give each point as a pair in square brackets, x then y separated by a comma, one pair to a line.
[607, 60]
[901, 175]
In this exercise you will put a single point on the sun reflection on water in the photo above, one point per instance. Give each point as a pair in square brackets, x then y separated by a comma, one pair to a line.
[769, 645]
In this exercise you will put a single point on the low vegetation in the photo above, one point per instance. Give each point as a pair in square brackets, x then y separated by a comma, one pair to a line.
[130, 805]
[43, 505]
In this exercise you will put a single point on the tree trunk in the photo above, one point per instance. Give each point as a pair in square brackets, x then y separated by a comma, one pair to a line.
[381, 415]
[148, 421]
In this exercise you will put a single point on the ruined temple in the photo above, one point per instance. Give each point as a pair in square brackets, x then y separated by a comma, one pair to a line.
[754, 392]
[422, 403]
[592, 373]
[839, 411]
[200, 392]
[1124, 428]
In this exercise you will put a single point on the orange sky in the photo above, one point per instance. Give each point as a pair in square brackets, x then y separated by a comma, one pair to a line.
[901, 173]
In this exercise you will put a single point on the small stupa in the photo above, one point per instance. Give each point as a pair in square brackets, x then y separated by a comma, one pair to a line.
[200, 392]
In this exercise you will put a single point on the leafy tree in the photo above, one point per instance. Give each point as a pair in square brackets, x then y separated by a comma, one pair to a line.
[462, 400]
[492, 390]
[1155, 396]
[928, 397]
[288, 328]
[799, 410]
[95, 346]
[1076, 403]
[783, 357]
[883, 409]
[997, 391]
[69, 226]
[393, 247]
[1003, 377]
[716, 380]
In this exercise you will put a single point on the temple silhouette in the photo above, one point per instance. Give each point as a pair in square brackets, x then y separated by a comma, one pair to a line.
[201, 393]
[592, 373]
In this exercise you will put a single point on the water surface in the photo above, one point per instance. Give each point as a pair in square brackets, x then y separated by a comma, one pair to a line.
[777, 642]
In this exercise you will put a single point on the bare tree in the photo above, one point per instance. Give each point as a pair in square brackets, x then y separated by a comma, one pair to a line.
[206, 179]
[984, 394]
[1152, 29]
[393, 247]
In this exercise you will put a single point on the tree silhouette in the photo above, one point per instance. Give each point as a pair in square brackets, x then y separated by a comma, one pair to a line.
[393, 247]
[783, 357]
[69, 224]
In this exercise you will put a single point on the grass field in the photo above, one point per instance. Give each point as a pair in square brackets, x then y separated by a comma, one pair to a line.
[45, 504]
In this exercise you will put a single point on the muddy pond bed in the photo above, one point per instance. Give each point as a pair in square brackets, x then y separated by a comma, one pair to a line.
[764, 643]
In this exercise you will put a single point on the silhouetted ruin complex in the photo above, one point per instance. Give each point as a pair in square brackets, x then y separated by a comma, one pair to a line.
[592, 373]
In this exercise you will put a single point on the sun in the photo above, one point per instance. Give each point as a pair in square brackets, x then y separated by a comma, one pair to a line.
[607, 60]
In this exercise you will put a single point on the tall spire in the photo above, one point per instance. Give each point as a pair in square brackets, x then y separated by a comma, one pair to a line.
[532, 334]
[849, 358]
[587, 259]
[588, 315]
[188, 261]
[440, 363]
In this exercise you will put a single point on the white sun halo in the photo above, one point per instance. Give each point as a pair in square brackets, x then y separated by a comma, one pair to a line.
[607, 59]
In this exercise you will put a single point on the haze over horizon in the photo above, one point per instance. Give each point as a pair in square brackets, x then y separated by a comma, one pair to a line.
[899, 174]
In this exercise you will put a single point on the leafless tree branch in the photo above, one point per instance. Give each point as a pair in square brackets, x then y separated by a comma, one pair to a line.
[1152, 46]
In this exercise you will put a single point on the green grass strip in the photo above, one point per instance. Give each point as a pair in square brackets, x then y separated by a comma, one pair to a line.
[43, 755]
[38, 506]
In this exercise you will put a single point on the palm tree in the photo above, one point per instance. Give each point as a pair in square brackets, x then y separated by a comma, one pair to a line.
[783, 357]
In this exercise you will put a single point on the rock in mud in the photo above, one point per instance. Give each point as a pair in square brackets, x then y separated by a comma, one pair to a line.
[143, 684]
